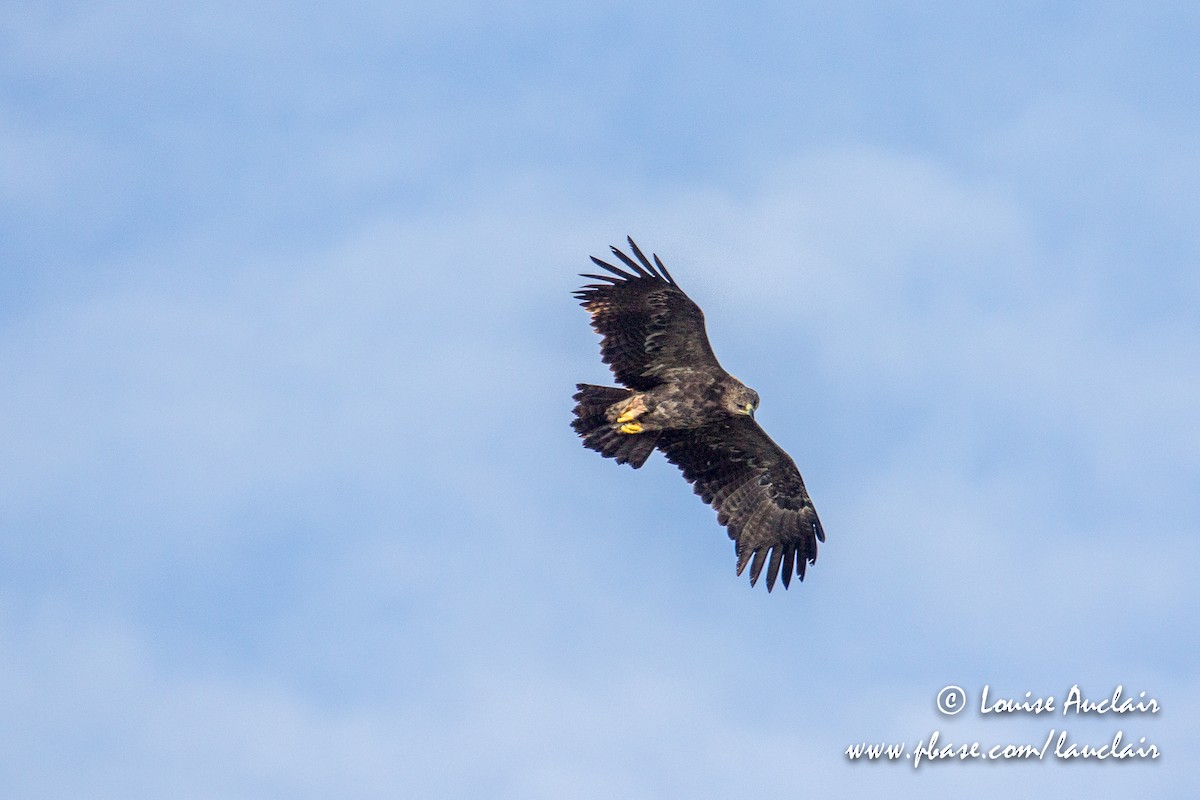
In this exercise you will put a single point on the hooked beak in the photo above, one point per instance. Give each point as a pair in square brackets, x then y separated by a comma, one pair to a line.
[748, 410]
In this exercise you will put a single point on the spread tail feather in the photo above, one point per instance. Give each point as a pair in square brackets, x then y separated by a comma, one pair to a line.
[599, 433]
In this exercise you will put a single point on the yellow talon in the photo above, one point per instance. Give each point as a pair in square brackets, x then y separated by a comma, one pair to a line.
[631, 427]
[633, 409]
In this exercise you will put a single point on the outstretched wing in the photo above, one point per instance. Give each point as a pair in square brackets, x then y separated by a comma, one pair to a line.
[650, 327]
[757, 491]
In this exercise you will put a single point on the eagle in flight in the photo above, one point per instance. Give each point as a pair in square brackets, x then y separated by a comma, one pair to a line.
[679, 400]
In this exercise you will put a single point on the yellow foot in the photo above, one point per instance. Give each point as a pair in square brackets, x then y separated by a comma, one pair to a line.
[633, 409]
[631, 427]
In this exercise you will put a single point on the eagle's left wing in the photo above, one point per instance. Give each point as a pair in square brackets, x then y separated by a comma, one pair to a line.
[650, 327]
[757, 491]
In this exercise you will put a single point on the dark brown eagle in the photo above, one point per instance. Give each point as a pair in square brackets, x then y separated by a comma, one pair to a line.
[678, 399]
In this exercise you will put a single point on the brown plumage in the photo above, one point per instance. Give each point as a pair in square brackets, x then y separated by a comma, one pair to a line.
[678, 399]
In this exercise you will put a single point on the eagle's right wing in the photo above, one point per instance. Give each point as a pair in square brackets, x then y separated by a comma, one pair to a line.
[649, 326]
[757, 491]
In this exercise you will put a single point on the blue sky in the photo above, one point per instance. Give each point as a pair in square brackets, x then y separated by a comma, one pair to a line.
[290, 504]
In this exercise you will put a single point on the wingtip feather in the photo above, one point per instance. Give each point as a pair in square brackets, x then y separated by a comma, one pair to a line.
[637, 251]
[629, 262]
[614, 270]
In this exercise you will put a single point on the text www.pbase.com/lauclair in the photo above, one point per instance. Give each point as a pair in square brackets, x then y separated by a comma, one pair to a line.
[1057, 745]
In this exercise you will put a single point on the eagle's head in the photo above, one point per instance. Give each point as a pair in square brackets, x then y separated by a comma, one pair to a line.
[740, 399]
